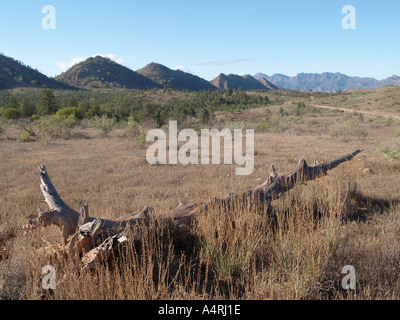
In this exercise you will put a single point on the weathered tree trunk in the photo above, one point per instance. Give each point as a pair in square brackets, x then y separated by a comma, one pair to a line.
[93, 239]
[273, 188]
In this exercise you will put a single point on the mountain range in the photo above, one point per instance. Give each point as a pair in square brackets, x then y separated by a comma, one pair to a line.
[246, 82]
[326, 82]
[101, 72]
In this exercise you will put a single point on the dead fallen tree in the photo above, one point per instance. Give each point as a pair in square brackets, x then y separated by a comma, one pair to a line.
[92, 240]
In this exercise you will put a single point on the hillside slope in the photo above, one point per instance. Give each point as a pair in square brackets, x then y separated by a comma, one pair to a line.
[14, 74]
[246, 82]
[175, 79]
[100, 72]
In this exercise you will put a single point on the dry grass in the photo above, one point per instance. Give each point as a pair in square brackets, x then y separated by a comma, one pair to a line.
[385, 99]
[350, 217]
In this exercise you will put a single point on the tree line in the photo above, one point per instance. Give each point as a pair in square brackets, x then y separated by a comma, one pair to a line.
[137, 105]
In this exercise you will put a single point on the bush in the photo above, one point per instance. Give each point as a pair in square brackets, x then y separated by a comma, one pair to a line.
[56, 126]
[3, 127]
[103, 123]
[70, 111]
[11, 114]
[93, 111]
[282, 112]
[132, 127]
[25, 136]
[393, 153]
[137, 132]
[241, 125]
[272, 125]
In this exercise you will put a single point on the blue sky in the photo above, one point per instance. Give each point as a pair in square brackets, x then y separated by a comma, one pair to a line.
[208, 37]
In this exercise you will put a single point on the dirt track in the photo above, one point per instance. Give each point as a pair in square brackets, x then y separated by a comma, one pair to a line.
[372, 113]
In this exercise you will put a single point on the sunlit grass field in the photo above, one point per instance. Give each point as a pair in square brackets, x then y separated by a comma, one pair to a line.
[295, 250]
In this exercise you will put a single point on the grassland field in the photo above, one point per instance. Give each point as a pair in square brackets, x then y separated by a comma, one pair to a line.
[349, 217]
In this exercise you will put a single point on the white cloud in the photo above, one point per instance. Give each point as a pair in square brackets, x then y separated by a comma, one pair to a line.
[182, 68]
[111, 56]
[66, 64]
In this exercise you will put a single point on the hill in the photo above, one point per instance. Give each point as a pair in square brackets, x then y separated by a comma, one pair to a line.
[14, 74]
[327, 82]
[385, 100]
[246, 82]
[175, 79]
[100, 72]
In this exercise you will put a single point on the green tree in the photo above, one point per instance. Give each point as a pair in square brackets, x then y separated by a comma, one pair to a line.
[72, 102]
[48, 102]
[13, 102]
[83, 107]
[11, 114]
[27, 108]
[204, 116]
[94, 111]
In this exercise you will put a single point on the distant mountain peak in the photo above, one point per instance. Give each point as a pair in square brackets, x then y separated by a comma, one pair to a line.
[175, 79]
[103, 72]
[246, 82]
[14, 74]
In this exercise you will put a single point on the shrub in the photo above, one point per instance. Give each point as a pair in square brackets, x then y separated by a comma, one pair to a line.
[11, 114]
[25, 136]
[132, 127]
[56, 126]
[393, 153]
[103, 123]
[237, 124]
[282, 112]
[140, 138]
[93, 111]
[70, 111]
[3, 127]
[272, 125]
[137, 132]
